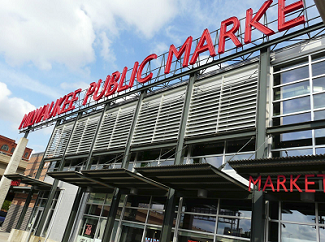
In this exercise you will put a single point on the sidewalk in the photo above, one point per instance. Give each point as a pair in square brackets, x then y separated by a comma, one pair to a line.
[4, 236]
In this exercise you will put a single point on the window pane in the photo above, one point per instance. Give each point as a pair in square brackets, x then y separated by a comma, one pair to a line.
[319, 115]
[319, 84]
[322, 233]
[184, 236]
[296, 105]
[93, 209]
[293, 90]
[234, 227]
[292, 153]
[135, 215]
[320, 151]
[156, 217]
[318, 68]
[206, 206]
[236, 208]
[88, 227]
[294, 139]
[200, 223]
[97, 198]
[319, 100]
[131, 233]
[298, 212]
[294, 75]
[152, 235]
[296, 232]
[215, 161]
[292, 119]
[320, 136]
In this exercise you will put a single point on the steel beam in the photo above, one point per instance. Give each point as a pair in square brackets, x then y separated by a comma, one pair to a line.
[258, 217]
[320, 4]
[221, 137]
[296, 127]
[55, 185]
[264, 74]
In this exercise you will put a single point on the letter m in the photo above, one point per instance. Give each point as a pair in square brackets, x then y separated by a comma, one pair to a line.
[186, 47]
[251, 180]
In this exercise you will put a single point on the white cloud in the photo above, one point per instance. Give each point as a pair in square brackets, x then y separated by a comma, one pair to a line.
[12, 109]
[45, 32]
[107, 52]
[22, 80]
[64, 32]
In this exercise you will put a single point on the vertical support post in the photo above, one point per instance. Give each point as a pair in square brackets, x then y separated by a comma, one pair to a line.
[12, 168]
[258, 202]
[54, 186]
[125, 164]
[171, 196]
[264, 69]
[37, 176]
[80, 191]
[258, 217]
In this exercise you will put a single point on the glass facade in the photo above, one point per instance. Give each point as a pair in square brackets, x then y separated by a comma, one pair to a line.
[298, 94]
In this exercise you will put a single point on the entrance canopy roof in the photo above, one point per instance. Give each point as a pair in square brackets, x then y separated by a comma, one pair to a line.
[191, 178]
[38, 185]
[311, 164]
[109, 179]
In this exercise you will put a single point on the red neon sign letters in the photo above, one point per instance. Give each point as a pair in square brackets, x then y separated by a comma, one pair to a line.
[287, 184]
[116, 81]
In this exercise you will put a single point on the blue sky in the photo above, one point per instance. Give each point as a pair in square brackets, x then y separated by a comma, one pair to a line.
[50, 48]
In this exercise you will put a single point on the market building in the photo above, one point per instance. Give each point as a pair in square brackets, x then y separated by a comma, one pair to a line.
[229, 147]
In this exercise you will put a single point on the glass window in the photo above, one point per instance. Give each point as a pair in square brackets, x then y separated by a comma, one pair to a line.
[184, 236]
[318, 68]
[292, 90]
[234, 227]
[295, 105]
[297, 232]
[201, 223]
[319, 100]
[298, 212]
[319, 84]
[131, 232]
[292, 75]
[5, 147]
[319, 115]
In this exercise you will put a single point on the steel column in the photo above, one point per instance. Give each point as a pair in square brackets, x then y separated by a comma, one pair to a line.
[171, 197]
[125, 164]
[55, 185]
[263, 81]
[320, 4]
[258, 211]
[258, 217]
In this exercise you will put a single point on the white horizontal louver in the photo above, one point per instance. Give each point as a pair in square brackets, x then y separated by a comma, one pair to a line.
[223, 103]
[83, 135]
[115, 128]
[59, 141]
[159, 118]
[204, 106]
[122, 127]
